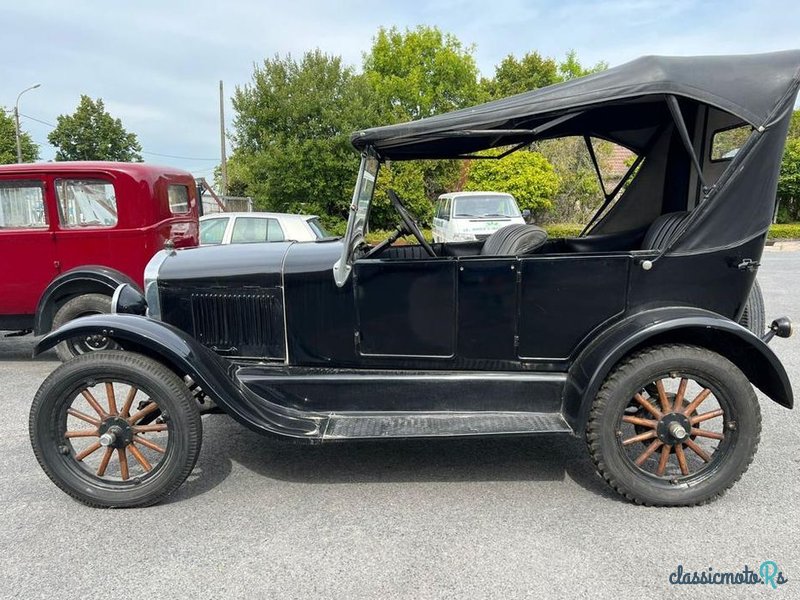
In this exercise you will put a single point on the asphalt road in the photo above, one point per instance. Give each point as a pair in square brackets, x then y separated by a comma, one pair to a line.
[423, 519]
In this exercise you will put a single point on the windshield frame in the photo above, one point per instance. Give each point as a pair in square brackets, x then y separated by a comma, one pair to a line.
[359, 215]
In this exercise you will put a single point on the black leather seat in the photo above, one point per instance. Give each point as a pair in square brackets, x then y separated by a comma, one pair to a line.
[513, 240]
[662, 229]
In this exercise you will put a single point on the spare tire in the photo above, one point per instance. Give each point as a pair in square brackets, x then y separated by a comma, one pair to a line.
[753, 316]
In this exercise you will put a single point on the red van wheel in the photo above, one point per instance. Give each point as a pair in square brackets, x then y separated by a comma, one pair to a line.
[81, 306]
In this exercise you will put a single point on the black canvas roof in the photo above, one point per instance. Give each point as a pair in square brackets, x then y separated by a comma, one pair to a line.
[747, 86]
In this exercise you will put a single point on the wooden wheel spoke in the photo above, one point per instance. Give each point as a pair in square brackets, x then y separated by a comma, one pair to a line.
[81, 433]
[143, 413]
[112, 401]
[123, 463]
[707, 434]
[140, 457]
[154, 427]
[83, 417]
[662, 396]
[639, 421]
[101, 470]
[148, 444]
[682, 459]
[648, 452]
[693, 406]
[676, 406]
[698, 450]
[648, 435]
[87, 451]
[126, 408]
[647, 406]
[94, 403]
[662, 462]
[706, 416]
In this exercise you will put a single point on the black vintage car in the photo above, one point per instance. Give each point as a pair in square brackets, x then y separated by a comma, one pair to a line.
[626, 335]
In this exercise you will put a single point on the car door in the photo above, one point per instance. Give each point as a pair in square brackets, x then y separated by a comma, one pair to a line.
[88, 222]
[27, 247]
[436, 225]
[562, 299]
[406, 306]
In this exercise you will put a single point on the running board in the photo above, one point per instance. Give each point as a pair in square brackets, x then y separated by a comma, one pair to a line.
[344, 426]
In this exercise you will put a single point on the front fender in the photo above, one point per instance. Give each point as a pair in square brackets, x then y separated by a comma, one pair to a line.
[88, 279]
[179, 351]
[669, 326]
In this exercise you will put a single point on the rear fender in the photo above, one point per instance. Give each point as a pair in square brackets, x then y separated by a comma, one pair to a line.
[89, 279]
[183, 354]
[668, 326]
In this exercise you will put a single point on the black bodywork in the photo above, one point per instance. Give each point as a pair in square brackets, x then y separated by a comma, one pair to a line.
[326, 341]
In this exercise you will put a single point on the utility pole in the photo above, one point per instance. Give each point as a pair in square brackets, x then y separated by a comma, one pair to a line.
[224, 164]
[16, 119]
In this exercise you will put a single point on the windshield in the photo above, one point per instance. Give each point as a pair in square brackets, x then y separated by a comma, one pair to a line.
[359, 213]
[489, 205]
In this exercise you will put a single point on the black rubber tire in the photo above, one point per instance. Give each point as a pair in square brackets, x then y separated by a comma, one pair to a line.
[754, 317]
[80, 306]
[56, 394]
[626, 379]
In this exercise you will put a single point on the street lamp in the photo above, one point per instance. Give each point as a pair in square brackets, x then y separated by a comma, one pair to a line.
[16, 119]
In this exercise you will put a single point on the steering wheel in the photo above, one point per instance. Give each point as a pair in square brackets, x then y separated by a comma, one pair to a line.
[409, 223]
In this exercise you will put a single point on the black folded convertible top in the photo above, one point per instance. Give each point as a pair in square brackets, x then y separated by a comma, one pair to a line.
[747, 86]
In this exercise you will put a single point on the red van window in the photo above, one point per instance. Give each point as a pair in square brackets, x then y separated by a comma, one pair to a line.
[178, 199]
[86, 203]
[22, 205]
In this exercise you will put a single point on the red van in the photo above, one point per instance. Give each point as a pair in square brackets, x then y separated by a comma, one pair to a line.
[71, 232]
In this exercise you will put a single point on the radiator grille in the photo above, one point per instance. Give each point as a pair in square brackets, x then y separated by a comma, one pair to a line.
[240, 324]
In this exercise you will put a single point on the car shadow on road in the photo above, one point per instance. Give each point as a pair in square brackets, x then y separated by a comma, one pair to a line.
[542, 458]
[21, 348]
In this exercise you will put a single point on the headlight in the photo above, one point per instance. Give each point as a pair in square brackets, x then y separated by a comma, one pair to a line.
[151, 295]
[128, 300]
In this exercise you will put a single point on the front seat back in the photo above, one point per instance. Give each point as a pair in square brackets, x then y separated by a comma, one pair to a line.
[662, 229]
[512, 240]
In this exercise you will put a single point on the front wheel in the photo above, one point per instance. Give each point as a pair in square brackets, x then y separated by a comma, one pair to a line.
[115, 429]
[674, 425]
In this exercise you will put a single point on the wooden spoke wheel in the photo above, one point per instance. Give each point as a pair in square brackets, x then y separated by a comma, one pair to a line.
[115, 429]
[674, 425]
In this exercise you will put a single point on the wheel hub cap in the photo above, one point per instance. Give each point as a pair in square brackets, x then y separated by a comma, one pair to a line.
[673, 428]
[115, 432]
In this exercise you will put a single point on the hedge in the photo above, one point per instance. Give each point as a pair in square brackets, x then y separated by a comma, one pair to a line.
[785, 231]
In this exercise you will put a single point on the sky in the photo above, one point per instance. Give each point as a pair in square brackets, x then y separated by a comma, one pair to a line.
[157, 63]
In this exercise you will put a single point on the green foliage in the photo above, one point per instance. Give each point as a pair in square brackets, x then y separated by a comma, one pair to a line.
[91, 133]
[291, 132]
[784, 231]
[526, 175]
[516, 75]
[419, 72]
[562, 230]
[8, 141]
[789, 183]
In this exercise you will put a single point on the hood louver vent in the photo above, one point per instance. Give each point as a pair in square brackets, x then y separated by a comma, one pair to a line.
[247, 324]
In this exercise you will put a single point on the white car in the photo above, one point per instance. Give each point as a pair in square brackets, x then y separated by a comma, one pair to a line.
[469, 216]
[251, 227]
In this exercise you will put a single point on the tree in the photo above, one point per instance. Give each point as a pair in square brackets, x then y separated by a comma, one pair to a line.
[91, 133]
[292, 129]
[571, 67]
[789, 183]
[526, 175]
[412, 74]
[8, 141]
[514, 76]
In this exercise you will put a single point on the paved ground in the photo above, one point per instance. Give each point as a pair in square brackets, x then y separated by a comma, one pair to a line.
[470, 519]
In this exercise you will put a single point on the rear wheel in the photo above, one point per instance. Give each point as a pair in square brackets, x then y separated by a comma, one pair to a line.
[674, 426]
[115, 429]
[81, 306]
[753, 316]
